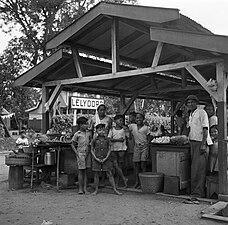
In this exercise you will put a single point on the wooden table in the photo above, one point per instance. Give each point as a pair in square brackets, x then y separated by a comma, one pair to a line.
[58, 146]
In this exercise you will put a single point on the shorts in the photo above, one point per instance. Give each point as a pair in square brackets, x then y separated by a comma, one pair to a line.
[106, 166]
[83, 161]
[141, 152]
[118, 156]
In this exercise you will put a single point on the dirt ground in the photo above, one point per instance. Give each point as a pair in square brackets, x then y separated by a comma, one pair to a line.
[66, 207]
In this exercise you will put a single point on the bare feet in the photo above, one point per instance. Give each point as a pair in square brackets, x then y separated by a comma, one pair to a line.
[117, 192]
[125, 182]
[86, 192]
[136, 186]
[95, 192]
[80, 192]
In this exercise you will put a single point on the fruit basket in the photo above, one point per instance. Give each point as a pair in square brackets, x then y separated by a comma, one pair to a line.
[151, 182]
[18, 160]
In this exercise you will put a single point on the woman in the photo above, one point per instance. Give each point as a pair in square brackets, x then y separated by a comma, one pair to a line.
[101, 118]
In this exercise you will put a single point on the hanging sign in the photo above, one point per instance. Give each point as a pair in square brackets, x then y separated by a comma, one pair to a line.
[85, 103]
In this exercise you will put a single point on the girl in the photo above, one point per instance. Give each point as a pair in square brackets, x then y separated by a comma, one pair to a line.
[118, 143]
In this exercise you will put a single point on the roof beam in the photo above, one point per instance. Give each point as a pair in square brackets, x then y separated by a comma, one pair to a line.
[49, 104]
[38, 69]
[77, 62]
[136, 72]
[157, 54]
[105, 54]
[201, 80]
[176, 89]
[214, 43]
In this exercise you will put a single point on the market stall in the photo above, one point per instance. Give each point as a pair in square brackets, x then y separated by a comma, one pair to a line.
[155, 53]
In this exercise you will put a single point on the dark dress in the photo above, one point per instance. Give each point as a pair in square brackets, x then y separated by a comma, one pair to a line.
[101, 148]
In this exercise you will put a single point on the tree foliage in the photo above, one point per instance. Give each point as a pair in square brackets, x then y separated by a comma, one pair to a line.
[40, 20]
[37, 21]
[15, 99]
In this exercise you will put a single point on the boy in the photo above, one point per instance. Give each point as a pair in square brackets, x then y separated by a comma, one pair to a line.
[140, 132]
[22, 141]
[100, 149]
[117, 137]
[80, 145]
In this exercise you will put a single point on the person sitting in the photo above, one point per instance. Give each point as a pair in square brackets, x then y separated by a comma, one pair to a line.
[22, 141]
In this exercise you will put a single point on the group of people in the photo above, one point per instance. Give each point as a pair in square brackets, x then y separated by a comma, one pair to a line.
[203, 135]
[100, 145]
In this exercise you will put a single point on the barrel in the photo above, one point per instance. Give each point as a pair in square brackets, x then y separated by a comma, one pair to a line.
[16, 177]
[49, 158]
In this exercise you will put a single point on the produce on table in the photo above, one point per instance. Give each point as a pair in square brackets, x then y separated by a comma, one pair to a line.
[179, 140]
[163, 140]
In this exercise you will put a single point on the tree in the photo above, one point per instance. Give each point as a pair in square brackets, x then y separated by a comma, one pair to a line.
[40, 20]
[15, 99]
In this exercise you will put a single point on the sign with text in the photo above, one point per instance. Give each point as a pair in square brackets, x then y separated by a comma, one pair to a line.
[85, 103]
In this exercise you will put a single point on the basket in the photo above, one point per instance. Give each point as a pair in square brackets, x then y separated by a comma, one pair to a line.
[151, 182]
[19, 161]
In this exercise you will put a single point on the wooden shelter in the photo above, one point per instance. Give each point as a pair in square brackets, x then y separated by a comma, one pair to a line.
[136, 51]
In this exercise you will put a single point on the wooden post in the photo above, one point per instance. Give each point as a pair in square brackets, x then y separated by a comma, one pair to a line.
[173, 106]
[45, 114]
[222, 135]
[122, 105]
[115, 45]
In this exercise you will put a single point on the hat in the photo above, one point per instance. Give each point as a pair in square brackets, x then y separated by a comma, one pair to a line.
[191, 97]
[100, 125]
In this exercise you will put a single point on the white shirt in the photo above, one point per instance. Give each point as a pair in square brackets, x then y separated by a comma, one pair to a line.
[22, 142]
[117, 134]
[140, 135]
[197, 121]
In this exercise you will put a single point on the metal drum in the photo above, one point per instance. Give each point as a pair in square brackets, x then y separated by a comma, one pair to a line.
[49, 158]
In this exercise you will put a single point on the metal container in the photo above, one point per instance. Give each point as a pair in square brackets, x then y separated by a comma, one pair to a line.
[49, 158]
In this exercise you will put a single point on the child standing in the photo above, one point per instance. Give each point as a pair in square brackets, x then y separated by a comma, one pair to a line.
[22, 141]
[140, 132]
[80, 145]
[117, 137]
[100, 149]
[213, 152]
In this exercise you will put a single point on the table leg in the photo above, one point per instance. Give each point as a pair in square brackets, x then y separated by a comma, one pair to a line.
[32, 172]
[57, 169]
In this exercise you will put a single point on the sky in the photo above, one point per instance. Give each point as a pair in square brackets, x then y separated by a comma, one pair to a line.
[211, 14]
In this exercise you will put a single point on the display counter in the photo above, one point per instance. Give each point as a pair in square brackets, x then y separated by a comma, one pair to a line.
[172, 160]
[62, 149]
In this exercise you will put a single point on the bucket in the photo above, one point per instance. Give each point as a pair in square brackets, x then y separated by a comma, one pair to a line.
[151, 182]
[16, 177]
[49, 158]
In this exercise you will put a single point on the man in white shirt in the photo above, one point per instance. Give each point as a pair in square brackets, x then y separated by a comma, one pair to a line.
[199, 139]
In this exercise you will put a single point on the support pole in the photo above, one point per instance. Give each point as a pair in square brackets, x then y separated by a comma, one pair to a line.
[222, 135]
[45, 114]
[173, 106]
[115, 45]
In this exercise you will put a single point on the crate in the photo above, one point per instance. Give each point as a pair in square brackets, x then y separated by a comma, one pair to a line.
[66, 180]
[151, 182]
[172, 185]
[212, 186]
